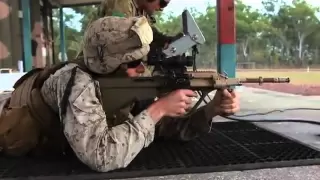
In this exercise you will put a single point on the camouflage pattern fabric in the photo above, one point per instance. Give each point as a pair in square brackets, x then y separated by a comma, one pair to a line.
[101, 147]
[95, 143]
[129, 8]
[94, 140]
[121, 8]
[111, 41]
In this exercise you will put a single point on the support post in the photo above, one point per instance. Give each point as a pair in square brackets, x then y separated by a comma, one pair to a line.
[52, 35]
[226, 28]
[26, 25]
[62, 35]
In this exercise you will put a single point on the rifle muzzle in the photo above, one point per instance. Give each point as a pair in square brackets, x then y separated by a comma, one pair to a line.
[261, 80]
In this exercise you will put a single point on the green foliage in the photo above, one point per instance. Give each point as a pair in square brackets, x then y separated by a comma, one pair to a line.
[279, 35]
[72, 36]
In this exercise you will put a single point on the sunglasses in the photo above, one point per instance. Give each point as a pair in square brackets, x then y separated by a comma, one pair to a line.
[163, 3]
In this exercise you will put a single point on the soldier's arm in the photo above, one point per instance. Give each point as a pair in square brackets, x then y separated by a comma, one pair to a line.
[180, 128]
[121, 8]
[186, 128]
[97, 145]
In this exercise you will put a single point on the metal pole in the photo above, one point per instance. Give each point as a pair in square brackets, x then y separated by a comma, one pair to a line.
[62, 35]
[26, 26]
[52, 35]
[226, 31]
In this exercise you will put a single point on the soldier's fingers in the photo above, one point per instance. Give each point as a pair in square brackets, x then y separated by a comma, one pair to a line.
[188, 100]
[226, 94]
[188, 93]
[234, 94]
[228, 106]
[227, 101]
[230, 111]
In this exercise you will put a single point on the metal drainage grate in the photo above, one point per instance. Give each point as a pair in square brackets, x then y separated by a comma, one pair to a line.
[230, 146]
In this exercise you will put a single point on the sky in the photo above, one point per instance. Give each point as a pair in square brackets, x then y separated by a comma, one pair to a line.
[177, 6]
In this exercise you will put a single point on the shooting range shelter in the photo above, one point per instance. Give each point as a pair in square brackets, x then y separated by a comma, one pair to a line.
[231, 146]
[28, 20]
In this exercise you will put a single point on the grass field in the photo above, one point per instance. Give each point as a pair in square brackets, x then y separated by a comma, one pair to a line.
[296, 77]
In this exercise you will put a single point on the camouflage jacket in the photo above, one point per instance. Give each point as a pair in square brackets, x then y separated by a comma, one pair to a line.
[129, 8]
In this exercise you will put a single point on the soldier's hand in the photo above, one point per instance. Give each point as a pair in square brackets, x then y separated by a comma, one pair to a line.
[225, 102]
[177, 102]
[173, 104]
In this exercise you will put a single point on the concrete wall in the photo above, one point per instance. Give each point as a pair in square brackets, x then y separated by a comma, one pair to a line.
[11, 39]
[10, 34]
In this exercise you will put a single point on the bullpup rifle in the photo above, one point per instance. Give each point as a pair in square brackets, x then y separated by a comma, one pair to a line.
[171, 73]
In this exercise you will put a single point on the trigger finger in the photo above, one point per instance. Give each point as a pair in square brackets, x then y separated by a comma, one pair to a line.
[226, 94]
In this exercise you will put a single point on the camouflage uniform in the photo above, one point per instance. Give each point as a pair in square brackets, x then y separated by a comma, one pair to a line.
[129, 8]
[94, 140]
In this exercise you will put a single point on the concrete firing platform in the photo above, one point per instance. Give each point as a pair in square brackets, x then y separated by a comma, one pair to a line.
[255, 101]
[260, 101]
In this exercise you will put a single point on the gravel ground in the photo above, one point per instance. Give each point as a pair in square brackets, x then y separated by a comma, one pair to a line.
[305, 90]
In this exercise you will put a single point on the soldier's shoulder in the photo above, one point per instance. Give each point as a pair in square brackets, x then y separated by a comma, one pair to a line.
[119, 7]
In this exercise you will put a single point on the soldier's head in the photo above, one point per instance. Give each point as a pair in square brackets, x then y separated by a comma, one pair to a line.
[115, 43]
[151, 6]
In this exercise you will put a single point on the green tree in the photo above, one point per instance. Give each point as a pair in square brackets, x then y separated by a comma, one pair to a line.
[72, 36]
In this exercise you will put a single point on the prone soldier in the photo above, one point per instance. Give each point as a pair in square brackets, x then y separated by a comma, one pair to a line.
[60, 108]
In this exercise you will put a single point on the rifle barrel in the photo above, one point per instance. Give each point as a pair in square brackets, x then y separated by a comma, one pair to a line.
[261, 80]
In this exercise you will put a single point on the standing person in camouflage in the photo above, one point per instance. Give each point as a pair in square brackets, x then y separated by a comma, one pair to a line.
[65, 101]
[129, 8]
